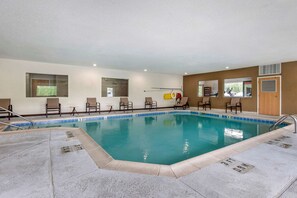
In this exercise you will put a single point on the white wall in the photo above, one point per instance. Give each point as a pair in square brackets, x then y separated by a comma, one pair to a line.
[83, 82]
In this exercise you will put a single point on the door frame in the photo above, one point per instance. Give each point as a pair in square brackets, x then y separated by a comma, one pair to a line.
[280, 91]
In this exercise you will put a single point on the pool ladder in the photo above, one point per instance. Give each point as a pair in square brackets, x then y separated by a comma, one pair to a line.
[13, 113]
[282, 119]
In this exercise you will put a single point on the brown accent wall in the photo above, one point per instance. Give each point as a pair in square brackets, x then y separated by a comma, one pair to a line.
[289, 88]
[190, 85]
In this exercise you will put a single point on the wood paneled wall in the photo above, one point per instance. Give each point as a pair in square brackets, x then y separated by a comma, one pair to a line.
[289, 87]
[190, 85]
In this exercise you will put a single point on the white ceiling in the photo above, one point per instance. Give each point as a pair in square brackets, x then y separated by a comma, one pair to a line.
[165, 36]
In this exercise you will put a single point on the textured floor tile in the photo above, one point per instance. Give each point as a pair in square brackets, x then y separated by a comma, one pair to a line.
[8, 150]
[58, 134]
[104, 183]
[68, 165]
[291, 192]
[272, 173]
[23, 137]
[27, 173]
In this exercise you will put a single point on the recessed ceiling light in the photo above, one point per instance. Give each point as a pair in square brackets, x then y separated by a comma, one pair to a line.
[186, 73]
[145, 70]
[94, 65]
[227, 67]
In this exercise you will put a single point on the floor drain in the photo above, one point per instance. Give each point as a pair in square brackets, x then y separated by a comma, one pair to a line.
[284, 145]
[78, 147]
[237, 166]
[67, 149]
[69, 134]
[279, 142]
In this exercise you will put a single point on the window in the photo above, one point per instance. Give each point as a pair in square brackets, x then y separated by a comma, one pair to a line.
[238, 87]
[208, 88]
[46, 85]
[114, 87]
[268, 85]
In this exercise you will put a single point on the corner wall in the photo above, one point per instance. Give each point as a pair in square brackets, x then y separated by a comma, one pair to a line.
[289, 87]
[83, 82]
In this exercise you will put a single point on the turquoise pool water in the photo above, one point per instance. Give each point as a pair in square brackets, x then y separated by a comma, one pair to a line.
[167, 139]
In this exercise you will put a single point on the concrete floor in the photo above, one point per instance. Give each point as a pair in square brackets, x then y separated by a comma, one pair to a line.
[32, 165]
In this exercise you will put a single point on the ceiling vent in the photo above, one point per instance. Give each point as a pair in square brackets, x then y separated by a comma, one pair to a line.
[269, 69]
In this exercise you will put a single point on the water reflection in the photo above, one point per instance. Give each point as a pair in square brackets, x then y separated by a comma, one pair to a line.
[186, 149]
[145, 155]
[233, 133]
[149, 120]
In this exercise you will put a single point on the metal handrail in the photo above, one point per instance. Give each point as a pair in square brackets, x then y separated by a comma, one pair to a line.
[11, 125]
[6, 110]
[282, 119]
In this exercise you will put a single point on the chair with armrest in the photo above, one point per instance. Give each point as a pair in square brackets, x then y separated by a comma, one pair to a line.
[125, 104]
[204, 103]
[234, 104]
[92, 104]
[52, 104]
[5, 103]
[150, 103]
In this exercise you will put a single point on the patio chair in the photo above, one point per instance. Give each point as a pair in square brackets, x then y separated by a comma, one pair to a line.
[125, 104]
[204, 103]
[52, 104]
[183, 103]
[150, 103]
[6, 104]
[234, 104]
[92, 104]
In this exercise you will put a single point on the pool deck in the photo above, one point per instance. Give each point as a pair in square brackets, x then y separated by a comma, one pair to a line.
[32, 164]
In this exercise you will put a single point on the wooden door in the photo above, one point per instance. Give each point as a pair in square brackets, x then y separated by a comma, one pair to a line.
[269, 95]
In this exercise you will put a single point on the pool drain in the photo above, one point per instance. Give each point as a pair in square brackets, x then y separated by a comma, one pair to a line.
[67, 149]
[236, 165]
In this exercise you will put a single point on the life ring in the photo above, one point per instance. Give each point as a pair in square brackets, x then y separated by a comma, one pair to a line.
[178, 96]
[173, 95]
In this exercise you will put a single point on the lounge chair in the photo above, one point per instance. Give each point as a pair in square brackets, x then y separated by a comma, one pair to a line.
[150, 103]
[234, 104]
[183, 103]
[204, 103]
[6, 104]
[125, 104]
[52, 104]
[92, 104]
